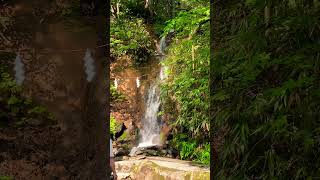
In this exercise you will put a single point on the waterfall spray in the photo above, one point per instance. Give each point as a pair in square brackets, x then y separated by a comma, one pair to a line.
[150, 132]
[162, 44]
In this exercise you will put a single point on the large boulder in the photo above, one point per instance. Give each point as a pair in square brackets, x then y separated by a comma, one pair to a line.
[151, 170]
[160, 169]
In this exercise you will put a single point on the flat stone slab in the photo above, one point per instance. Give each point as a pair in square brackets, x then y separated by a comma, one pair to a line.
[161, 168]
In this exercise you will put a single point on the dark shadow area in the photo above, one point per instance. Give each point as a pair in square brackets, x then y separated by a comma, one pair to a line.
[54, 86]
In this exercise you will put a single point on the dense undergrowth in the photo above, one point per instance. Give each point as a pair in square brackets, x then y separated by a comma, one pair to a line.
[16, 110]
[185, 93]
[129, 35]
[116, 96]
[266, 89]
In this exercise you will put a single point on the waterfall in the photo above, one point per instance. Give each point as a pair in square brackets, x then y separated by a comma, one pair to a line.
[150, 132]
[162, 44]
[151, 124]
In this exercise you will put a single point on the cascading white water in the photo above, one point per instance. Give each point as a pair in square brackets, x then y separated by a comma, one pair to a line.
[162, 45]
[150, 132]
[151, 127]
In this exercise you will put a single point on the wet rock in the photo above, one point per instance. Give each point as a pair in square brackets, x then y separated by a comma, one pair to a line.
[150, 152]
[35, 122]
[135, 151]
[122, 152]
[164, 151]
[169, 156]
[141, 157]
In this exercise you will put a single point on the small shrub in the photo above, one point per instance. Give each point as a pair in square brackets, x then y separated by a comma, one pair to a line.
[190, 149]
[130, 37]
[15, 109]
[116, 95]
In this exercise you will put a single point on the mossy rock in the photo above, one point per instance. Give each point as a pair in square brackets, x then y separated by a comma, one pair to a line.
[151, 170]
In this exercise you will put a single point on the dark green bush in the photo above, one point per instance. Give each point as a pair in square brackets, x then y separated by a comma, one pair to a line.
[266, 89]
[16, 110]
[116, 95]
[185, 92]
[130, 37]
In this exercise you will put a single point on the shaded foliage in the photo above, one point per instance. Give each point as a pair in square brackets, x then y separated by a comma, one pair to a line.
[185, 92]
[129, 36]
[266, 89]
[16, 110]
[116, 96]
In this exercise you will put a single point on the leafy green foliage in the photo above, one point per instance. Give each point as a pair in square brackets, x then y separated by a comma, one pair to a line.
[203, 154]
[113, 124]
[187, 149]
[187, 84]
[185, 92]
[187, 22]
[132, 8]
[125, 136]
[266, 84]
[191, 149]
[130, 37]
[116, 95]
[15, 109]
[6, 178]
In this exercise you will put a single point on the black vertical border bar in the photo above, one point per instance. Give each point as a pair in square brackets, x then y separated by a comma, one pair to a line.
[107, 54]
[213, 162]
